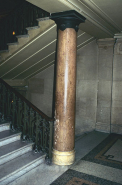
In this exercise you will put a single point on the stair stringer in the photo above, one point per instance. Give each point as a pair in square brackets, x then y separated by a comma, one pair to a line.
[23, 40]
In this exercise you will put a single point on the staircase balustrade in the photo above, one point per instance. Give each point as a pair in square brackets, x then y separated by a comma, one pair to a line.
[17, 21]
[34, 125]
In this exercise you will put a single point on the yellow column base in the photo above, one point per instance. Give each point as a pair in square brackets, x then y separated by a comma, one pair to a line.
[63, 158]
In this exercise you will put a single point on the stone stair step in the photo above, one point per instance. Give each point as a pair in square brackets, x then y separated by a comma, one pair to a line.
[43, 19]
[4, 55]
[19, 166]
[43, 25]
[3, 51]
[22, 36]
[8, 136]
[4, 126]
[34, 32]
[13, 47]
[23, 41]
[13, 150]
[33, 27]
[13, 43]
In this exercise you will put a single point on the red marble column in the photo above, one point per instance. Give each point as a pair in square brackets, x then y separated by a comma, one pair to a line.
[64, 126]
[65, 94]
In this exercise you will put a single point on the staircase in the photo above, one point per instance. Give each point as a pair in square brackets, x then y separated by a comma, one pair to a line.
[16, 157]
[33, 49]
[25, 132]
[25, 139]
[20, 27]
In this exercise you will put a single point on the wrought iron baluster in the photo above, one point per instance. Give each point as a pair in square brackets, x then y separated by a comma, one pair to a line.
[41, 134]
[3, 99]
[14, 39]
[35, 16]
[50, 139]
[10, 106]
[29, 16]
[38, 119]
[46, 134]
[27, 118]
[8, 103]
[3, 102]
[19, 109]
[25, 122]
[0, 101]
[16, 112]
[44, 123]
[31, 124]
[48, 157]
[13, 112]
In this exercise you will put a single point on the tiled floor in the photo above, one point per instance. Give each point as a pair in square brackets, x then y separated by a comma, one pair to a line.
[101, 166]
[87, 169]
[73, 177]
[108, 152]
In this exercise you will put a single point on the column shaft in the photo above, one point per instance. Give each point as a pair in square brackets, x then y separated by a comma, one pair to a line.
[64, 128]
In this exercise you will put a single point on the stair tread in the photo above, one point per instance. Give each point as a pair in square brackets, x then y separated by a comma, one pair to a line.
[4, 126]
[33, 27]
[43, 19]
[4, 123]
[13, 43]
[21, 36]
[1, 51]
[6, 149]
[7, 133]
[18, 163]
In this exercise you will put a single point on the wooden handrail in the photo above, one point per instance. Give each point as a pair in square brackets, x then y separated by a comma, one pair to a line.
[26, 101]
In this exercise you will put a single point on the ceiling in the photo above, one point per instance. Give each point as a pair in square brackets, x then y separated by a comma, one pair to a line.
[103, 20]
[103, 17]
[36, 55]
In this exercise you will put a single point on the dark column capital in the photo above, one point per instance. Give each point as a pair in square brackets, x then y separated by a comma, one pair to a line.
[67, 19]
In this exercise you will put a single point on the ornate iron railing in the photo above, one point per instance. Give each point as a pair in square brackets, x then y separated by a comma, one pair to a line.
[25, 117]
[17, 21]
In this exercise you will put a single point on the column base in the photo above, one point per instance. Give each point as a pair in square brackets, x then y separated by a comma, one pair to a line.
[63, 158]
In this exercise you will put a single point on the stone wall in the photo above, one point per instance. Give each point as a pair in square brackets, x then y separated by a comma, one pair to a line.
[116, 115]
[40, 90]
[98, 90]
[104, 94]
[86, 89]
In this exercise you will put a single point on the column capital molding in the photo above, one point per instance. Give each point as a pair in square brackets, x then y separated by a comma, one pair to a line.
[118, 36]
[67, 19]
[107, 42]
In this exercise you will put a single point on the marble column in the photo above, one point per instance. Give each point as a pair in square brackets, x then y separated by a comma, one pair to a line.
[64, 126]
